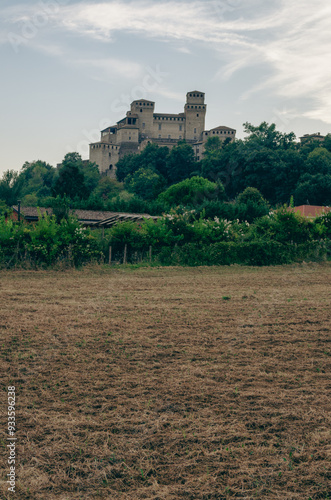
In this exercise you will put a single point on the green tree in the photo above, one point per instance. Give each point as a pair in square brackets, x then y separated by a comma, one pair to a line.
[5, 210]
[319, 162]
[145, 183]
[313, 190]
[152, 157]
[107, 188]
[10, 187]
[91, 175]
[180, 163]
[267, 136]
[70, 181]
[60, 208]
[250, 205]
[191, 192]
[327, 142]
[37, 179]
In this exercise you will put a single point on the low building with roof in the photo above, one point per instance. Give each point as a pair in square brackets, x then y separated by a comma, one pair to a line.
[312, 137]
[142, 126]
[92, 218]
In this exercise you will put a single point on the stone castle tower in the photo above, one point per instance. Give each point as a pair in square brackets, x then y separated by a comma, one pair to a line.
[195, 115]
[142, 126]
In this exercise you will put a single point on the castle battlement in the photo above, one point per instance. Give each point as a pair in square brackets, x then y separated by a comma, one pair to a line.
[142, 126]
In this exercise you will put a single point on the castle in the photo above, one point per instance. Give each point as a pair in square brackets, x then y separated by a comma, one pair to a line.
[142, 126]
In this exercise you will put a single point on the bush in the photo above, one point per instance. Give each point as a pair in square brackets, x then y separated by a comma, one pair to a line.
[47, 242]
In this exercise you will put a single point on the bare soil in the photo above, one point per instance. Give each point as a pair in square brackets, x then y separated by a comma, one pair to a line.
[168, 383]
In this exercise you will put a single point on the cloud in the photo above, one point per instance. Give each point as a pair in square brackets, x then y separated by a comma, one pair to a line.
[292, 40]
[110, 67]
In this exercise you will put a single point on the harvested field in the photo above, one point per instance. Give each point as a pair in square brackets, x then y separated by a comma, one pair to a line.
[168, 383]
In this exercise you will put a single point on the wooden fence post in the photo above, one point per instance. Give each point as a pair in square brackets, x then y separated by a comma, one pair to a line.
[109, 260]
[125, 253]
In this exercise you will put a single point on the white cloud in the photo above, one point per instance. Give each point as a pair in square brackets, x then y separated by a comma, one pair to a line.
[110, 67]
[293, 39]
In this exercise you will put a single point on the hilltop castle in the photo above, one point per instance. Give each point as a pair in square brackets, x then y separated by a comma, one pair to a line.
[142, 126]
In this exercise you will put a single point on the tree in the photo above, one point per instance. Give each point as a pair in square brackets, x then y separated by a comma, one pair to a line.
[5, 210]
[10, 187]
[287, 174]
[152, 157]
[250, 205]
[267, 136]
[107, 188]
[224, 162]
[260, 168]
[91, 175]
[70, 181]
[319, 162]
[191, 192]
[313, 190]
[145, 183]
[60, 208]
[37, 179]
[180, 163]
[327, 142]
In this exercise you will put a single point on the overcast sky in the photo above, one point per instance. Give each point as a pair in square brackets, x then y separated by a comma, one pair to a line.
[69, 67]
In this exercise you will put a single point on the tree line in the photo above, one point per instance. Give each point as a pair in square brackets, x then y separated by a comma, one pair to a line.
[240, 179]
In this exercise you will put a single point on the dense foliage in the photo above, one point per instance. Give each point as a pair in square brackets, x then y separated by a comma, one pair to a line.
[180, 238]
[46, 243]
[270, 161]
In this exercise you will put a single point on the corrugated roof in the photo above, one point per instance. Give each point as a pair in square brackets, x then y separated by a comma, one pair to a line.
[86, 216]
[123, 217]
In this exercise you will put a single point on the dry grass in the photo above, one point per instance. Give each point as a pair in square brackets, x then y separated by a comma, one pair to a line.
[206, 383]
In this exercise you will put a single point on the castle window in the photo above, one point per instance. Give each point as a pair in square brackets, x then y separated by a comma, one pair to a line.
[180, 127]
[159, 136]
[169, 136]
[180, 136]
[144, 125]
[196, 107]
[141, 111]
[195, 130]
[198, 115]
[197, 150]
[160, 126]
[213, 131]
[129, 138]
[198, 158]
